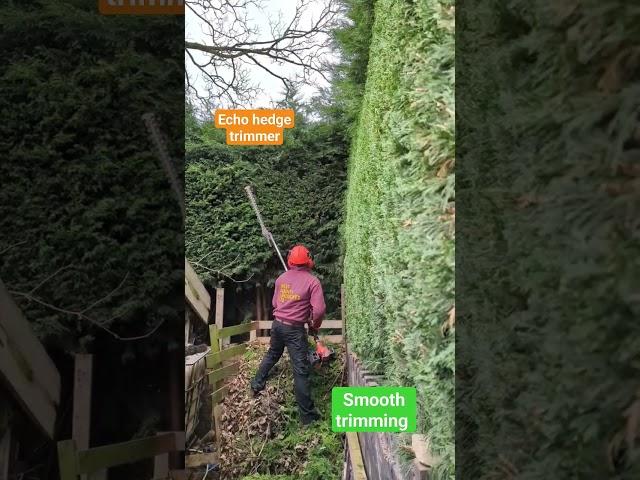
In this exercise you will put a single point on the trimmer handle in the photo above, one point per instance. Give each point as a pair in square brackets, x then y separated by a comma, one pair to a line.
[313, 332]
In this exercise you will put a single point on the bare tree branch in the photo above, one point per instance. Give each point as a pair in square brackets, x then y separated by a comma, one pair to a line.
[6, 249]
[49, 277]
[220, 272]
[107, 296]
[82, 314]
[294, 52]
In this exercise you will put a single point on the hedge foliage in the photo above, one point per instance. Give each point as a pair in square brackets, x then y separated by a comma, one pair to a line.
[299, 188]
[399, 231]
[81, 186]
[549, 145]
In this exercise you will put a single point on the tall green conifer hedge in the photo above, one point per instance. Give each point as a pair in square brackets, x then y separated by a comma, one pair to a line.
[399, 231]
[549, 145]
[299, 188]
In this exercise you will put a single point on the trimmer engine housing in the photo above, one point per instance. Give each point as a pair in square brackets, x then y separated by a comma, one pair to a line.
[321, 354]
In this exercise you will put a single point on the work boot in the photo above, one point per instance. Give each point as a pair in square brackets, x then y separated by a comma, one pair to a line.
[255, 390]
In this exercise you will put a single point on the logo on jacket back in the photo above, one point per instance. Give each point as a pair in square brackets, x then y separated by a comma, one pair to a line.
[286, 293]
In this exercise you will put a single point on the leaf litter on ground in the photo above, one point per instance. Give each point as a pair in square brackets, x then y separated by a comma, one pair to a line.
[262, 437]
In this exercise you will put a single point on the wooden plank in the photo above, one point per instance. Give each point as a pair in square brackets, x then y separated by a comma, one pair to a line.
[5, 454]
[217, 425]
[214, 338]
[179, 475]
[196, 460]
[216, 358]
[161, 465]
[218, 395]
[187, 327]
[331, 338]
[220, 314]
[196, 357]
[196, 294]
[212, 361]
[325, 338]
[161, 462]
[342, 304]
[220, 307]
[343, 313]
[68, 460]
[223, 372]
[355, 454]
[33, 377]
[422, 451]
[81, 423]
[107, 456]
[326, 324]
[237, 329]
[420, 471]
[333, 324]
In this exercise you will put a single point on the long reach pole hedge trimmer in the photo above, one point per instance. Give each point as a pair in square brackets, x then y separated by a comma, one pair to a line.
[265, 232]
[322, 353]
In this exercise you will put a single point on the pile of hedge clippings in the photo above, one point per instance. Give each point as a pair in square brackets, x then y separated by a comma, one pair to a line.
[262, 437]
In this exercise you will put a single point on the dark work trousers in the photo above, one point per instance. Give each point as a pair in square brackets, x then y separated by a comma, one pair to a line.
[295, 339]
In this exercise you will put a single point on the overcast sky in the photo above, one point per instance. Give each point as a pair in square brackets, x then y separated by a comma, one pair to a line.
[271, 87]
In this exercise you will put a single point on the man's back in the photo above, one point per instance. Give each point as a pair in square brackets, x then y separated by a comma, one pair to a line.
[298, 297]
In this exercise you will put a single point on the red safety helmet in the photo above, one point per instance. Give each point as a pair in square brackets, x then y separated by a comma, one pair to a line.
[299, 256]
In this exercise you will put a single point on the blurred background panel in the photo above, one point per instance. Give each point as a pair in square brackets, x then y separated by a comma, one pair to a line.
[91, 244]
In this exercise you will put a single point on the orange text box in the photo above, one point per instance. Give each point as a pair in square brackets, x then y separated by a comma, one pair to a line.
[141, 7]
[254, 127]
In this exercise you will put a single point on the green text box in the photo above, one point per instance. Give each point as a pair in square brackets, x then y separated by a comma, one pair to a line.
[373, 409]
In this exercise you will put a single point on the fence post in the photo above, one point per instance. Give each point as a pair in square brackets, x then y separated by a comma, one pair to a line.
[5, 454]
[187, 327]
[343, 314]
[68, 460]
[220, 312]
[82, 400]
[161, 464]
[215, 413]
[81, 424]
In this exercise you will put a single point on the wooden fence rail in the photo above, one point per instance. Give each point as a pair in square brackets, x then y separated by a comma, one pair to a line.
[74, 462]
[326, 325]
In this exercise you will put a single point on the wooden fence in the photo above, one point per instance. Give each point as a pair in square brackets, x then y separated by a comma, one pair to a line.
[222, 363]
[194, 389]
[26, 370]
[379, 449]
[222, 360]
[74, 462]
[263, 326]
